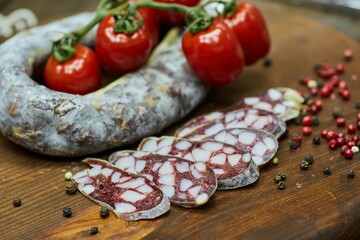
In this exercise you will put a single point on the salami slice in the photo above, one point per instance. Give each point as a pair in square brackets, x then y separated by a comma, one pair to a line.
[285, 102]
[202, 127]
[262, 145]
[130, 197]
[185, 183]
[233, 167]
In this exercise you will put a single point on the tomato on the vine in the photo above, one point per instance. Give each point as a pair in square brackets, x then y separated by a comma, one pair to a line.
[174, 18]
[214, 55]
[121, 53]
[151, 20]
[79, 75]
[250, 29]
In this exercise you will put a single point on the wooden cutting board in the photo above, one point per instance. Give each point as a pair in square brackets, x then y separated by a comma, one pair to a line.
[313, 205]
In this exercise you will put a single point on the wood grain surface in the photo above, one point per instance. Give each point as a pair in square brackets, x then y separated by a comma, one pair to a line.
[313, 205]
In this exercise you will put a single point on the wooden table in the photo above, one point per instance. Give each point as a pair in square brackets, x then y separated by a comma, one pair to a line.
[313, 205]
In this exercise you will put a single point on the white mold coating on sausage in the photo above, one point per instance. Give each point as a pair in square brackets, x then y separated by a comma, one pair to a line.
[227, 161]
[130, 197]
[136, 105]
[185, 183]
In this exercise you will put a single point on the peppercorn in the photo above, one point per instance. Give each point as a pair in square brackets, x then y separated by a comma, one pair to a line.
[333, 144]
[320, 85]
[94, 230]
[340, 122]
[317, 67]
[304, 165]
[306, 131]
[67, 212]
[282, 175]
[315, 121]
[357, 105]
[294, 145]
[351, 128]
[104, 212]
[351, 173]
[348, 54]
[267, 62]
[348, 154]
[316, 140]
[337, 112]
[17, 202]
[345, 94]
[71, 188]
[327, 170]
[281, 185]
[309, 159]
[306, 121]
[277, 178]
[331, 135]
[340, 68]
[324, 133]
[298, 120]
[319, 104]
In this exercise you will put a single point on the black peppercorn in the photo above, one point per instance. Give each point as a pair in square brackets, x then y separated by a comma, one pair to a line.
[337, 112]
[94, 230]
[315, 121]
[17, 202]
[67, 212]
[281, 185]
[304, 165]
[294, 145]
[351, 173]
[104, 212]
[327, 170]
[309, 159]
[320, 84]
[317, 67]
[71, 188]
[282, 175]
[357, 105]
[277, 179]
[316, 140]
[267, 62]
[298, 120]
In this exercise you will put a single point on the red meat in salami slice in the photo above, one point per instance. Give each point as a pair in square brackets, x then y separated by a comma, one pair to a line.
[241, 118]
[262, 145]
[129, 196]
[185, 183]
[233, 167]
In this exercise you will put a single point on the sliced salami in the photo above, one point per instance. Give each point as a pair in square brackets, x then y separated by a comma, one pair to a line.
[185, 183]
[233, 167]
[202, 127]
[285, 102]
[262, 145]
[130, 197]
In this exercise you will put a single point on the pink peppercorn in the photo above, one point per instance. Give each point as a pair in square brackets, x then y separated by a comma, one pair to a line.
[333, 144]
[351, 128]
[348, 154]
[340, 68]
[306, 131]
[331, 135]
[340, 122]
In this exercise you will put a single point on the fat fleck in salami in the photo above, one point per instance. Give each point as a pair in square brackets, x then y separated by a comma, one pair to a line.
[185, 183]
[262, 145]
[136, 105]
[233, 167]
[202, 127]
[285, 102]
[130, 197]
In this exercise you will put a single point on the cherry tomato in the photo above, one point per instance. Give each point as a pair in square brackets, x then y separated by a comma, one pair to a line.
[151, 20]
[79, 75]
[173, 18]
[214, 55]
[121, 53]
[251, 30]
